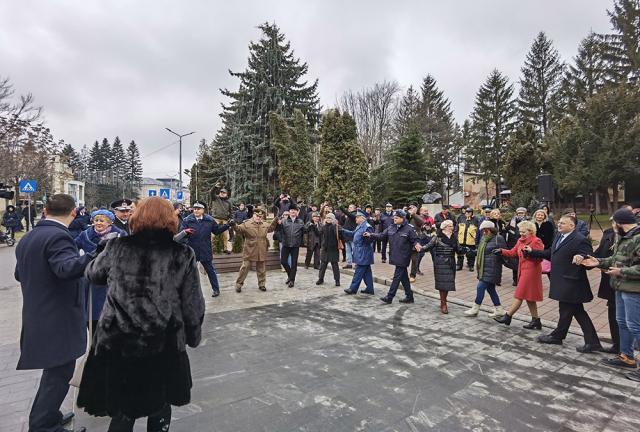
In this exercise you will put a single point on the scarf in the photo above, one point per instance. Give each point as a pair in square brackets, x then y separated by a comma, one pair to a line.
[480, 257]
[103, 233]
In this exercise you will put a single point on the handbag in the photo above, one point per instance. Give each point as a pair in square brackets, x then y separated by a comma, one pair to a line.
[77, 373]
[546, 266]
[340, 242]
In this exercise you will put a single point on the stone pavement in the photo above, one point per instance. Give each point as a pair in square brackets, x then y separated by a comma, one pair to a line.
[465, 293]
[312, 359]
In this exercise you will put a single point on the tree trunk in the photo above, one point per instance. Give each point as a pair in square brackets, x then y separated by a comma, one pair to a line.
[597, 199]
[609, 206]
[615, 195]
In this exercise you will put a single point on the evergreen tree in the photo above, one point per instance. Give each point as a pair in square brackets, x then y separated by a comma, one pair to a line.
[117, 157]
[84, 160]
[435, 120]
[493, 120]
[295, 160]
[105, 155]
[542, 73]
[407, 113]
[407, 169]
[274, 81]
[133, 174]
[95, 158]
[343, 176]
[583, 79]
[622, 48]
[521, 169]
[71, 157]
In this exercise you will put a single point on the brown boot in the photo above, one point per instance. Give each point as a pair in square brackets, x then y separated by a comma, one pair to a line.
[443, 302]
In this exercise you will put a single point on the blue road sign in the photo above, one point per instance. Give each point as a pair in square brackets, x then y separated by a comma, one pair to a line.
[179, 195]
[28, 186]
[165, 193]
[153, 192]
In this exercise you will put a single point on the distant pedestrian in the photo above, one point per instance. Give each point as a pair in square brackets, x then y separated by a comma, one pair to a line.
[53, 335]
[11, 221]
[138, 365]
[386, 220]
[467, 234]
[221, 210]
[605, 290]
[329, 248]
[313, 242]
[362, 254]
[292, 231]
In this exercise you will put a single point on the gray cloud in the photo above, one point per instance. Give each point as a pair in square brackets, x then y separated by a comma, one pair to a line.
[126, 68]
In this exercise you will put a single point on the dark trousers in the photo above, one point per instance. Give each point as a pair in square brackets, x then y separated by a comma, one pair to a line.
[400, 276]
[471, 258]
[613, 324]
[569, 311]
[415, 263]
[211, 272]
[315, 253]
[11, 232]
[362, 272]
[158, 422]
[45, 413]
[384, 249]
[292, 269]
[334, 267]
[378, 246]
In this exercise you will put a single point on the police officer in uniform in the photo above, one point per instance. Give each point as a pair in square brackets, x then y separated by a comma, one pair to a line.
[122, 210]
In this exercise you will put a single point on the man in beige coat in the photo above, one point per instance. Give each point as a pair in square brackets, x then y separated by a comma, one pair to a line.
[255, 247]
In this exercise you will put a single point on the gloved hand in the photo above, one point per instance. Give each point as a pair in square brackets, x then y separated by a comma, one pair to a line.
[497, 251]
[231, 222]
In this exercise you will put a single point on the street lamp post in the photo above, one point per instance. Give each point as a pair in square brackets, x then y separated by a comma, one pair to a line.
[180, 159]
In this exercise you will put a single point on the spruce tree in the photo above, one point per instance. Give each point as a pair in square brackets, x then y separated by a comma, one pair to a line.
[521, 169]
[343, 175]
[407, 169]
[493, 118]
[71, 157]
[407, 113]
[274, 81]
[295, 160]
[583, 79]
[105, 155]
[542, 73]
[117, 157]
[133, 175]
[95, 158]
[622, 48]
[435, 120]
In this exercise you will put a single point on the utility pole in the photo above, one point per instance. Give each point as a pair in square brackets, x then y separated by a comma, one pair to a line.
[180, 158]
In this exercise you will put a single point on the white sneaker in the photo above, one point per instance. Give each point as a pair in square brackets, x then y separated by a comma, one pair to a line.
[473, 311]
[498, 311]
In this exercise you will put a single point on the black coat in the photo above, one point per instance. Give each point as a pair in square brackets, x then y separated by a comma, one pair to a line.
[569, 282]
[605, 249]
[292, 232]
[545, 232]
[444, 261]
[492, 265]
[350, 222]
[329, 235]
[313, 235]
[402, 241]
[124, 226]
[49, 269]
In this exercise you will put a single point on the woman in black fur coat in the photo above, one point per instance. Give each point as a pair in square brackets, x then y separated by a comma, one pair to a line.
[138, 365]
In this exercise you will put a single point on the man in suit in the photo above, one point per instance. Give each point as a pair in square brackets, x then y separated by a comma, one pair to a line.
[53, 334]
[569, 284]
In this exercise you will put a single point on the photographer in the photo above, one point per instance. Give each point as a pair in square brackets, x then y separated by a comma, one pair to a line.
[283, 203]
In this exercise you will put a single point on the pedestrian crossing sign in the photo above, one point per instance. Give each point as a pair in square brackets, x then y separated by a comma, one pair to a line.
[165, 193]
[153, 192]
[28, 186]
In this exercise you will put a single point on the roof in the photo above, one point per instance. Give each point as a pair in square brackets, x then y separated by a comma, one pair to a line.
[148, 181]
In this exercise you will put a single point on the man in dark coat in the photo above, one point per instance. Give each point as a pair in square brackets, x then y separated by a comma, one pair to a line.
[53, 336]
[283, 203]
[313, 242]
[122, 210]
[569, 284]
[11, 220]
[403, 241]
[386, 220]
[199, 227]
[329, 248]
[605, 291]
[292, 231]
[350, 225]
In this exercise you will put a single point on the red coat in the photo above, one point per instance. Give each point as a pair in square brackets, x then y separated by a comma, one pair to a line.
[529, 269]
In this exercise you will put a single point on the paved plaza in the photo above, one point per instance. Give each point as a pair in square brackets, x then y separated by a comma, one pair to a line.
[310, 358]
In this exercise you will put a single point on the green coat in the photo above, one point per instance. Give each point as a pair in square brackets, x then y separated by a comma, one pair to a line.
[626, 254]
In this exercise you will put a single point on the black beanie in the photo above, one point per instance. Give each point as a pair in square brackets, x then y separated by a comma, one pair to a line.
[624, 216]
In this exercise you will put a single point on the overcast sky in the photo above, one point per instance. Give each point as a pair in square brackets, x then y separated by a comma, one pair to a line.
[132, 68]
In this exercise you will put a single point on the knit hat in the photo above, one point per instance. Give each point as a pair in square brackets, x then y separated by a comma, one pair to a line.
[487, 224]
[624, 216]
[103, 212]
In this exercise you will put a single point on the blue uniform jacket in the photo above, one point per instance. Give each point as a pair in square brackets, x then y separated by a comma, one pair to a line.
[362, 246]
[49, 268]
[402, 242]
[200, 240]
[88, 241]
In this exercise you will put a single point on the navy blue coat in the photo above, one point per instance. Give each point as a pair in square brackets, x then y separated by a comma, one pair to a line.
[11, 219]
[79, 224]
[200, 240]
[49, 268]
[88, 241]
[386, 220]
[402, 242]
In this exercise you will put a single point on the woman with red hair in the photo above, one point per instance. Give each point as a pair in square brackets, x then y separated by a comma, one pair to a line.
[138, 365]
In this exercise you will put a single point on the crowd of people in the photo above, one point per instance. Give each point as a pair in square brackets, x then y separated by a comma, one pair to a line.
[135, 284]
